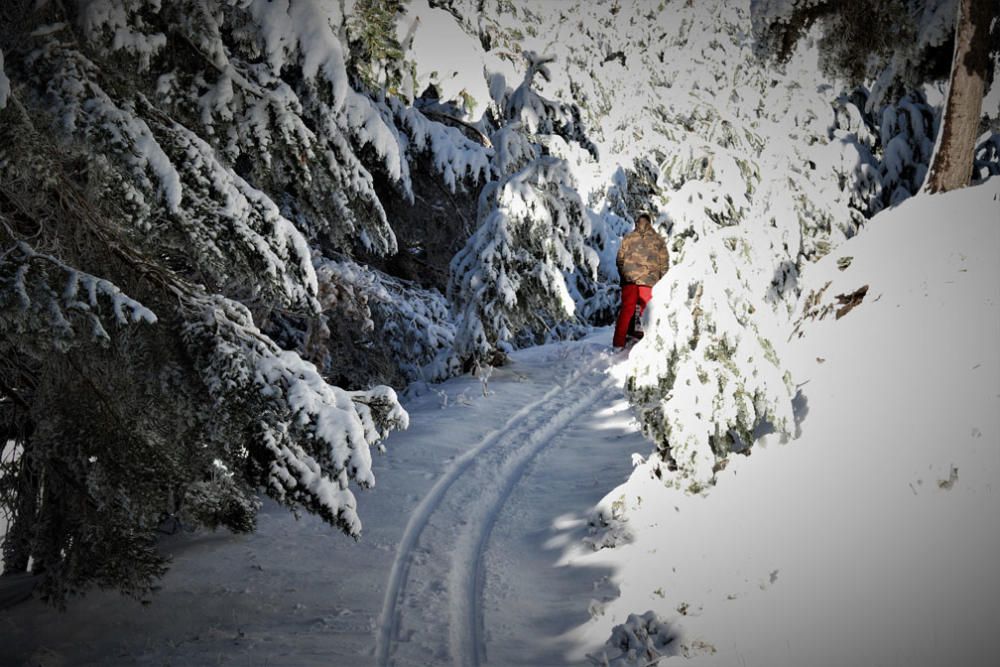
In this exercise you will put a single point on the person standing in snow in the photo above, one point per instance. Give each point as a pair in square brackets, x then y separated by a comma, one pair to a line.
[642, 260]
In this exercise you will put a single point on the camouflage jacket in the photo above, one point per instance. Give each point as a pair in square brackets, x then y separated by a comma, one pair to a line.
[643, 257]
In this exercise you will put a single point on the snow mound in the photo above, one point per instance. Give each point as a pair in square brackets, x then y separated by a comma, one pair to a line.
[933, 247]
[871, 538]
[641, 640]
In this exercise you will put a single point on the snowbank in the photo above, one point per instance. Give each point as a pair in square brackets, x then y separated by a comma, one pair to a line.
[872, 538]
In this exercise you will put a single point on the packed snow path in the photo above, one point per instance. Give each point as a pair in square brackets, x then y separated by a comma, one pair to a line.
[467, 555]
[447, 534]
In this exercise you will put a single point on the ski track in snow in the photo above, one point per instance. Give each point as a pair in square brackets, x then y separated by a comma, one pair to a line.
[468, 498]
[468, 645]
[442, 577]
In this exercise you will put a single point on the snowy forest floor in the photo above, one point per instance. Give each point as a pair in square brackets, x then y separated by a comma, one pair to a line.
[482, 491]
[872, 538]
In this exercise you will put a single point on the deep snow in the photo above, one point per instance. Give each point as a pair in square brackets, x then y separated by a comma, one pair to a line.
[874, 537]
[526, 462]
[870, 539]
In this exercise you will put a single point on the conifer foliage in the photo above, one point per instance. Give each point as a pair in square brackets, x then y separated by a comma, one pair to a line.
[900, 44]
[195, 299]
[752, 169]
[170, 176]
[508, 281]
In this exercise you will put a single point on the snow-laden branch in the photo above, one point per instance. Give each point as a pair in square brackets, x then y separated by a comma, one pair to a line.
[44, 296]
[311, 438]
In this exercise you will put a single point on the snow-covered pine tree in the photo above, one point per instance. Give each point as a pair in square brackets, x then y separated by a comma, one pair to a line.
[806, 183]
[705, 131]
[900, 44]
[377, 57]
[508, 281]
[706, 374]
[884, 152]
[399, 330]
[809, 171]
[200, 157]
[597, 295]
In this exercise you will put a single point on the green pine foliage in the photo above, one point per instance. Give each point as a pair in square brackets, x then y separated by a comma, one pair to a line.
[171, 175]
[377, 57]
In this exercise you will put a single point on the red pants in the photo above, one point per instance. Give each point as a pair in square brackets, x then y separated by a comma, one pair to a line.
[631, 295]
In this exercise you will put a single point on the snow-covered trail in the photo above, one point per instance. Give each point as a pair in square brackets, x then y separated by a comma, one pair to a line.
[455, 520]
[466, 556]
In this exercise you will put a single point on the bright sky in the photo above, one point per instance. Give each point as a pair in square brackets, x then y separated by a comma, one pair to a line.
[440, 46]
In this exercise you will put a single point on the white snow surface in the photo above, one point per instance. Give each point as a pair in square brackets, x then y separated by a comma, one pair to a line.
[870, 539]
[490, 491]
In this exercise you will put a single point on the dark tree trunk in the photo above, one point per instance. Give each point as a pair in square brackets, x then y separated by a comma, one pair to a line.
[951, 165]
